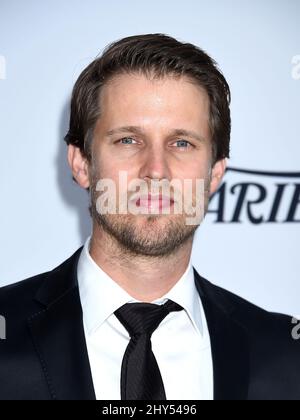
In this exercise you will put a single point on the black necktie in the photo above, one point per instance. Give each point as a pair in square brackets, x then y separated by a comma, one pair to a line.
[140, 375]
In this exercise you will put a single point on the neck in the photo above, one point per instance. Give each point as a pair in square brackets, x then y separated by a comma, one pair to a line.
[142, 277]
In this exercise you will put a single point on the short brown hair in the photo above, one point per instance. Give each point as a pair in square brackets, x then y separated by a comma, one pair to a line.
[152, 54]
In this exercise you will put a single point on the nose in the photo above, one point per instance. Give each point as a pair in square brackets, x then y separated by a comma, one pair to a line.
[155, 164]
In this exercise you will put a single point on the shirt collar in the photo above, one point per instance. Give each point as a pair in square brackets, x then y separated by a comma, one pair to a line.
[101, 296]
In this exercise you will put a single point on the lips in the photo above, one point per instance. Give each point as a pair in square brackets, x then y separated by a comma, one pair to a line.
[150, 201]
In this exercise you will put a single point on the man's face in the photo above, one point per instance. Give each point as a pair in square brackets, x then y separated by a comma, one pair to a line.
[151, 151]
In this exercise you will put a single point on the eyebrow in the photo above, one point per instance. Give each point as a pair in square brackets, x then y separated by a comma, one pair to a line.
[139, 130]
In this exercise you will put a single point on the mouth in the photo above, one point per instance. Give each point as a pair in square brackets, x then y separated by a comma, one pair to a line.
[158, 202]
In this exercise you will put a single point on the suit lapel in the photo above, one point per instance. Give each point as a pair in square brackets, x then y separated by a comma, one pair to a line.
[230, 350]
[58, 335]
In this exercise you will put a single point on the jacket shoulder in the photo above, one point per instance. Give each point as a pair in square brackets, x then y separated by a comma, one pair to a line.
[16, 294]
[245, 311]
[21, 295]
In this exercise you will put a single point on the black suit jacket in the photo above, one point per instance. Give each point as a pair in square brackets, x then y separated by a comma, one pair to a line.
[45, 357]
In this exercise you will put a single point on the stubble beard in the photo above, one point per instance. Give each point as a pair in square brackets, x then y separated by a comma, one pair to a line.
[156, 236]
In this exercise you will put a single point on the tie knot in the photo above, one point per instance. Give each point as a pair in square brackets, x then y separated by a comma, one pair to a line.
[144, 318]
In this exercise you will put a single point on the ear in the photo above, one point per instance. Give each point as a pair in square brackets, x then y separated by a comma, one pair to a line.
[218, 172]
[79, 166]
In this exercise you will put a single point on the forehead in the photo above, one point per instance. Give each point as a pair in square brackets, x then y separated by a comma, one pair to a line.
[136, 97]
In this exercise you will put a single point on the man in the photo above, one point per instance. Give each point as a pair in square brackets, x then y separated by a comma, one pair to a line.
[127, 316]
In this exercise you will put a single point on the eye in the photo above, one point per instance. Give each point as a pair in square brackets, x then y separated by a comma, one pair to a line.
[126, 140]
[183, 144]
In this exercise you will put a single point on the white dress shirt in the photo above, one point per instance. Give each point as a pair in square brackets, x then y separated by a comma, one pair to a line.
[181, 343]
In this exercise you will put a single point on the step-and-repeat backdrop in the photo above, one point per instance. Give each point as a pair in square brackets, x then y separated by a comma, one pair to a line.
[249, 242]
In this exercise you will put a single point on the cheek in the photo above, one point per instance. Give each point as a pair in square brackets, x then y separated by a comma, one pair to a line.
[196, 169]
[115, 171]
[110, 164]
[103, 163]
